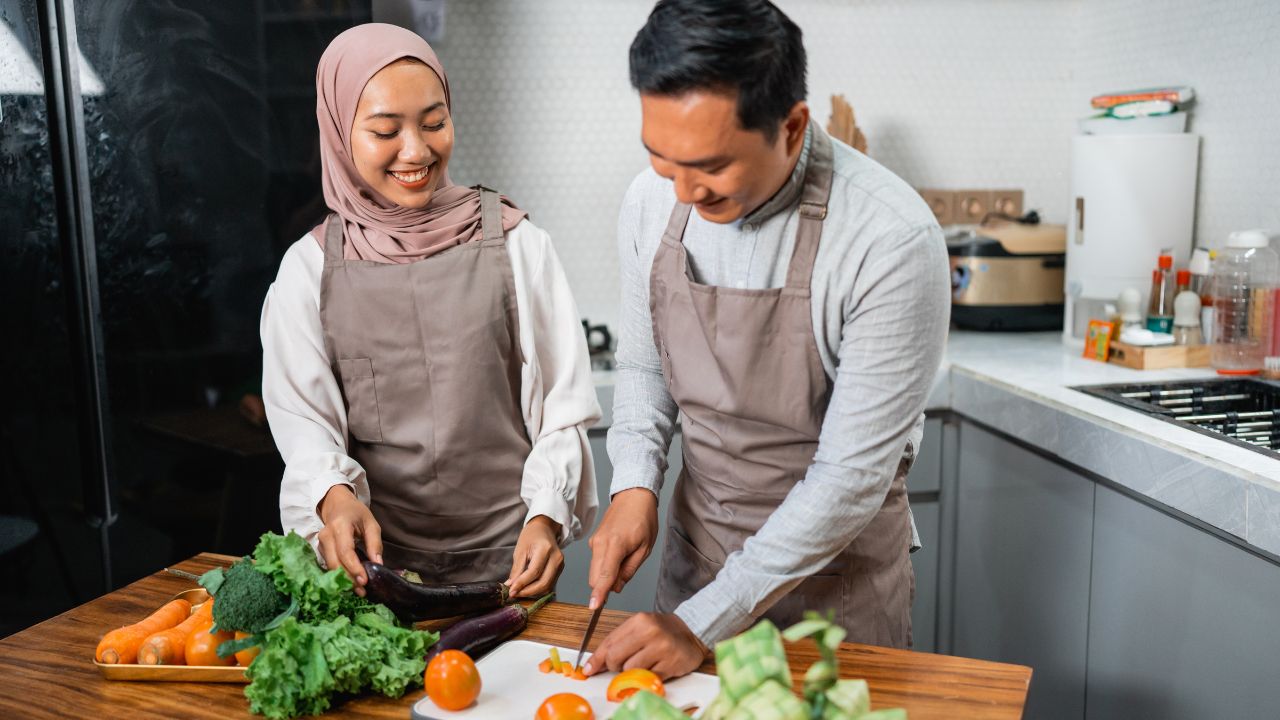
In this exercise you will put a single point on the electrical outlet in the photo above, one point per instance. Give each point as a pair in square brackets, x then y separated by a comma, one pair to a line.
[942, 203]
[971, 206]
[1007, 202]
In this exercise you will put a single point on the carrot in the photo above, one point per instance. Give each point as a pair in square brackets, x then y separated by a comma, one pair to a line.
[168, 647]
[121, 645]
[545, 666]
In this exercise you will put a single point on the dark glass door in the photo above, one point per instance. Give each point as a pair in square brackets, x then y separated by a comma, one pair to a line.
[200, 138]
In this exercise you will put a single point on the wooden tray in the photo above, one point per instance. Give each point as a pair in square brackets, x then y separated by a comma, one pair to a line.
[173, 673]
[1155, 358]
[176, 673]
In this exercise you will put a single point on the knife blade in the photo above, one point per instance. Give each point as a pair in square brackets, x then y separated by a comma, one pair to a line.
[586, 637]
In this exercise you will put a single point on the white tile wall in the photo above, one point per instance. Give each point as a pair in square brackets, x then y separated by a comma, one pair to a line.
[1229, 51]
[951, 93]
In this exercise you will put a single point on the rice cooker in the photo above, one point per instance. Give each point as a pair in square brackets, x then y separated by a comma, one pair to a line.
[1008, 275]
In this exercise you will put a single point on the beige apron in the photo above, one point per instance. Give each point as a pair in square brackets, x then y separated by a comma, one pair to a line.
[428, 357]
[744, 368]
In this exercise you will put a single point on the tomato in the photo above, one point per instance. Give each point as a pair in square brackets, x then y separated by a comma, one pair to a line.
[565, 706]
[244, 657]
[628, 682]
[452, 680]
[202, 647]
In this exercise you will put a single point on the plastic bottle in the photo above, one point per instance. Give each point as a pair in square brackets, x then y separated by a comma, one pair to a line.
[1186, 318]
[1202, 282]
[1245, 276]
[1160, 302]
[1129, 305]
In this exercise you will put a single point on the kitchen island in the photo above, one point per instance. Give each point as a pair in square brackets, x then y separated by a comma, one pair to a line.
[49, 670]
[1134, 563]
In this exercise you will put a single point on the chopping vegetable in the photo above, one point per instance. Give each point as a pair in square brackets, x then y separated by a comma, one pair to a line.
[785, 302]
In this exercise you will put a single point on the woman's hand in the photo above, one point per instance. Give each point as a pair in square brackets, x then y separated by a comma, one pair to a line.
[538, 561]
[345, 518]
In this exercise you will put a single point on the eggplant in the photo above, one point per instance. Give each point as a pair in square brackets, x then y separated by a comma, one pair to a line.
[413, 602]
[478, 635]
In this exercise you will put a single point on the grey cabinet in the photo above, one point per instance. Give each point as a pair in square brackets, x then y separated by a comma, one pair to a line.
[924, 610]
[1183, 623]
[923, 486]
[639, 594]
[1023, 538]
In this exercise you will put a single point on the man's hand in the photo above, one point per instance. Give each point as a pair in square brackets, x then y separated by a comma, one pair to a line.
[660, 642]
[345, 518]
[622, 542]
[538, 561]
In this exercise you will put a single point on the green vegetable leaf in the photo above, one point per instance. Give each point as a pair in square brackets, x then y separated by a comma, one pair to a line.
[212, 580]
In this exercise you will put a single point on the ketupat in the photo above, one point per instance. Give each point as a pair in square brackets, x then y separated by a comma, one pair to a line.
[847, 700]
[748, 660]
[887, 714]
[770, 701]
[644, 705]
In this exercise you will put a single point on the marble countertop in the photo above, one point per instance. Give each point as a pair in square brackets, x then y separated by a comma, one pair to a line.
[1022, 385]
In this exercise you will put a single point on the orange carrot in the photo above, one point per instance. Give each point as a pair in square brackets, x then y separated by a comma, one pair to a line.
[121, 645]
[545, 666]
[168, 647]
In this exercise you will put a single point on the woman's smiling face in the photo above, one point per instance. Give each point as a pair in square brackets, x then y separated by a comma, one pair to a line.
[402, 136]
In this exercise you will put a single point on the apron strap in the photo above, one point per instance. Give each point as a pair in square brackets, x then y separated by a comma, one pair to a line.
[813, 210]
[679, 220]
[333, 239]
[490, 214]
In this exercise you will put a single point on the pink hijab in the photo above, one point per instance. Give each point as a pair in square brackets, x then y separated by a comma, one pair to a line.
[374, 228]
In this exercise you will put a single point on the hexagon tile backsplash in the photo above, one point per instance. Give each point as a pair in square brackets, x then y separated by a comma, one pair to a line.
[951, 93]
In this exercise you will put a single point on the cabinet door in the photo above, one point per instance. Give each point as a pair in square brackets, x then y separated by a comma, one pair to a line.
[639, 594]
[924, 617]
[1183, 623]
[1024, 530]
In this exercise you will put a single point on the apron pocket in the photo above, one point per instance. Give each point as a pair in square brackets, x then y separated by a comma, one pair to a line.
[439, 566]
[361, 393]
[684, 571]
[816, 592]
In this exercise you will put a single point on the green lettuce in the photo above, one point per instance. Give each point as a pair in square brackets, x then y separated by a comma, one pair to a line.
[337, 643]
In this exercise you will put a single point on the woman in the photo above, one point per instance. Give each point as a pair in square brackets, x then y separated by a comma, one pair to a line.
[424, 369]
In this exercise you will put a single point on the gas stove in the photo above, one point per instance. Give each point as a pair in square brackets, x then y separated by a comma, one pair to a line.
[1242, 412]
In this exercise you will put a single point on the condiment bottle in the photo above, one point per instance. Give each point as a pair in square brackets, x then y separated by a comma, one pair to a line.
[1186, 318]
[1160, 305]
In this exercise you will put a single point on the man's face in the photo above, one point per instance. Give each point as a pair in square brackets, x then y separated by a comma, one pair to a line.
[724, 171]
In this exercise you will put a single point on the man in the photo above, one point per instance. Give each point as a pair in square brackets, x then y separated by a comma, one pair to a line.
[794, 322]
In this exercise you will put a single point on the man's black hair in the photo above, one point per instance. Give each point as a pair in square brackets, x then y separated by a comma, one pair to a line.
[747, 46]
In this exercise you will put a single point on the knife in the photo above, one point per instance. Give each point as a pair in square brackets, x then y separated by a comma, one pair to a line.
[586, 638]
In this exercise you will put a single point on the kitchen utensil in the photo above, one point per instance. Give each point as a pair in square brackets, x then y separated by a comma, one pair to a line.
[586, 637]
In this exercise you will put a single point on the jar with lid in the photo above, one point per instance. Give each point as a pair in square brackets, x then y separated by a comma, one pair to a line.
[1245, 275]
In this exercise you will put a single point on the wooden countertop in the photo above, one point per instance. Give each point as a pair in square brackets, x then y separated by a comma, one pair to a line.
[48, 669]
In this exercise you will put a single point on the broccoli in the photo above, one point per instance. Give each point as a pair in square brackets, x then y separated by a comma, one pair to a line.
[246, 599]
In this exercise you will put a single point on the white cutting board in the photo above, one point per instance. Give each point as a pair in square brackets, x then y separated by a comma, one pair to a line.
[512, 687]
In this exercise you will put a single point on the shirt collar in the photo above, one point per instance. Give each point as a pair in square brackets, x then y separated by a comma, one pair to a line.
[789, 194]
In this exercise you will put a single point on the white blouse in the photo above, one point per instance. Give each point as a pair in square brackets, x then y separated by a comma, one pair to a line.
[557, 398]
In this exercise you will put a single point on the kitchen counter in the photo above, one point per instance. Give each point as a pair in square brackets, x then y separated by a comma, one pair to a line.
[49, 672]
[1021, 384]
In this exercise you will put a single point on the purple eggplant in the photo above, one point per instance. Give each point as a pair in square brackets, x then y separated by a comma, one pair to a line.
[478, 635]
[413, 602]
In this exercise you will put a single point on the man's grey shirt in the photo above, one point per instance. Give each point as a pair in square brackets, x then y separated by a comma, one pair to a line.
[880, 304]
